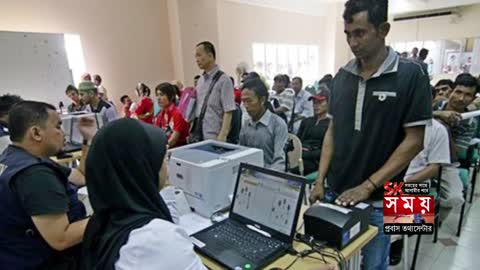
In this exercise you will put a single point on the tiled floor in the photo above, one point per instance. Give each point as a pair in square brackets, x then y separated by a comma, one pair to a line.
[460, 253]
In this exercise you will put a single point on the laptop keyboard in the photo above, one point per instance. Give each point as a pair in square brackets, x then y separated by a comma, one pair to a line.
[250, 244]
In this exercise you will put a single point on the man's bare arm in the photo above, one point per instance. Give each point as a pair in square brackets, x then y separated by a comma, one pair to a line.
[227, 121]
[58, 232]
[77, 176]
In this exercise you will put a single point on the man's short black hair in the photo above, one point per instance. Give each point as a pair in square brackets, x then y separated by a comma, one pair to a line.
[257, 86]
[122, 99]
[377, 10]
[467, 80]
[423, 54]
[208, 47]
[287, 79]
[446, 82]
[327, 80]
[6, 103]
[281, 78]
[252, 75]
[298, 78]
[71, 88]
[24, 115]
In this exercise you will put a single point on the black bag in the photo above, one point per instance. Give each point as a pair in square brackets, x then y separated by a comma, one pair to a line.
[234, 134]
[291, 124]
[275, 104]
[196, 131]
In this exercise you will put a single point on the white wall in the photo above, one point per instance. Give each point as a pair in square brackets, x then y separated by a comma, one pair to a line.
[240, 25]
[124, 41]
[197, 22]
[439, 28]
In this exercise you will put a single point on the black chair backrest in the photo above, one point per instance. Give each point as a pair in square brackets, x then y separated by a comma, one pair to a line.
[235, 127]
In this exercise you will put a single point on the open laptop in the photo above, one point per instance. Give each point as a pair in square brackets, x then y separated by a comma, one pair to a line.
[262, 222]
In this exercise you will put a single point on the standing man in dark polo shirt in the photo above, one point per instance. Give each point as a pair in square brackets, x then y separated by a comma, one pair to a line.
[221, 102]
[379, 106]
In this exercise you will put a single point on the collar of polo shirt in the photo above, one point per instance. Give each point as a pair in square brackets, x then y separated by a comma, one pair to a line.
[211, 72]
[390, 65]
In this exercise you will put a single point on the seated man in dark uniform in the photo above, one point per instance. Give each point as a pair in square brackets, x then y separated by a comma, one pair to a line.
[42, 219]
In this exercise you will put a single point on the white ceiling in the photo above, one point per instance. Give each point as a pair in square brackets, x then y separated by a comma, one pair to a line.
[320, 7]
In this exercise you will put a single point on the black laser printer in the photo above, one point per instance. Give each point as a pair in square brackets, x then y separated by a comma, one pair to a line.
[336, 225]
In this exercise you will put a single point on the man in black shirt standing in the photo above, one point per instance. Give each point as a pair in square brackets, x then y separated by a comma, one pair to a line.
[379, 107]
[312, 131]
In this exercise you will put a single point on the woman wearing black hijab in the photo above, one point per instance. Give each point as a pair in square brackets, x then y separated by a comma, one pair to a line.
[131, 227]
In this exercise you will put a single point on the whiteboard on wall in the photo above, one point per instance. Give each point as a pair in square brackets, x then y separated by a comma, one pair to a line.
[34, 66]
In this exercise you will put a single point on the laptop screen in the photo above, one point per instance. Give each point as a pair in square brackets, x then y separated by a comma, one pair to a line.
[269, 199]
[70, 125]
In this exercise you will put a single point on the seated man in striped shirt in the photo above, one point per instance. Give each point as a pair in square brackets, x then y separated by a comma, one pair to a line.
[449, 111]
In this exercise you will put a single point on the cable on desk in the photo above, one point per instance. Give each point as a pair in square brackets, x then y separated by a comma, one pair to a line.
[291, 264]
[338, 259]
[319, 247]
[318, 259]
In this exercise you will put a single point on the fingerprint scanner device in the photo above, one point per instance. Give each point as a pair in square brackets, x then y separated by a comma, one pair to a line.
[336, 225]
[207, 171]
[262, 222]
[73, 137]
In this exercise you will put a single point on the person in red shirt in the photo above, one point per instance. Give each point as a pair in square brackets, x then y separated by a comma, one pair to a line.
[144, 110]
[127, 103]
[237, 93]
[170, 118]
